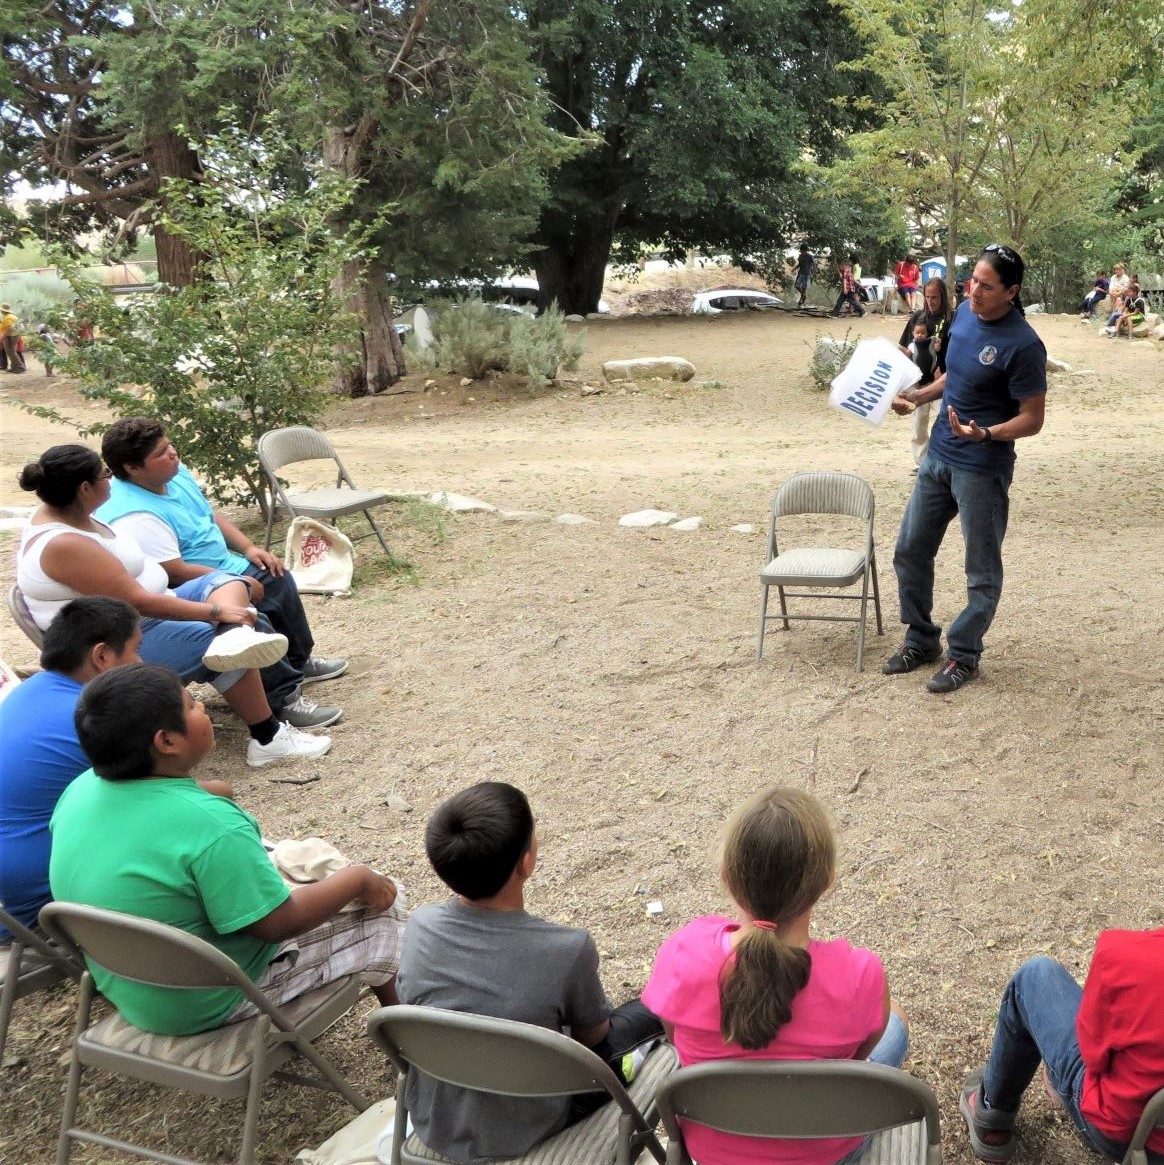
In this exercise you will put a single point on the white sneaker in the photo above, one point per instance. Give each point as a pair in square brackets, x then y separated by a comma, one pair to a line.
[244, 647]
[288, 744]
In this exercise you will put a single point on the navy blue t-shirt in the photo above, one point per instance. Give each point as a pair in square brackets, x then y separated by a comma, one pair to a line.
[991, 365]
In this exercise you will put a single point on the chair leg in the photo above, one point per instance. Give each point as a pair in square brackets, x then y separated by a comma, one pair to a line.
[876, 593]
[73, 1085]
[783, 607]
[8, 993]
[270, 525]
[861, 623]
[763, 620]
[246, 1153]
[376, 528]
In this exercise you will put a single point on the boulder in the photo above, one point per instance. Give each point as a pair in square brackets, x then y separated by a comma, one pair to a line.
[831, 353]
[459, 504]
[648, 518]
[647, 367]
[1158, 331]
[744, 528]
[686, 524]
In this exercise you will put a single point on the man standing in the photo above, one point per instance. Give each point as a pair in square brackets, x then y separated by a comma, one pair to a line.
[995, 389]
[805, 265]
[157, 501]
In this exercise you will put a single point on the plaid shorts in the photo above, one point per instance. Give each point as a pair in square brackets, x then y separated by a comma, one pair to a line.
[352, 943]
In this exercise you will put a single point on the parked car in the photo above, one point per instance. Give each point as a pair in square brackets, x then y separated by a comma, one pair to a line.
[733, 299]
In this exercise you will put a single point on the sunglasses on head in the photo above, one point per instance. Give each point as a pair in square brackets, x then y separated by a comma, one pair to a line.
[1002, 251]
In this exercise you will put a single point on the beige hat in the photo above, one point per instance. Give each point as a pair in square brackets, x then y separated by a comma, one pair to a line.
[5, 307]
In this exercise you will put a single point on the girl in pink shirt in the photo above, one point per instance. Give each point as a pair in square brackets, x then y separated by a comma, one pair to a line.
[763, 988]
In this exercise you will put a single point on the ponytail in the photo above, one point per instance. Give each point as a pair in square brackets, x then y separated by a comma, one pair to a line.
[757, 987]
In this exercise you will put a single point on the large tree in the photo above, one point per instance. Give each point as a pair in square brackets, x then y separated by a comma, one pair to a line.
[702, 112]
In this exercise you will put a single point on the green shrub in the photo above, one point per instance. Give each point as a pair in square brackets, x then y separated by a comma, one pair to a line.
[472, 338]
[826, 362]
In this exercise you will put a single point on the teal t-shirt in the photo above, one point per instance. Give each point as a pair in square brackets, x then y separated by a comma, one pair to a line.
[166, 849]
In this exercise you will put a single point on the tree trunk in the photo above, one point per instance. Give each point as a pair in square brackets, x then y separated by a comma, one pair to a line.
[168, 155]
[571, 265]
[374, 359]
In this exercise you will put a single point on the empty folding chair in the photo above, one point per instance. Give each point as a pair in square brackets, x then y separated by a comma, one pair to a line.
[843, 494]
[282, 447]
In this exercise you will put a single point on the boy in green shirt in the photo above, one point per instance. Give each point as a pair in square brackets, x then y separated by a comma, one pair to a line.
[136, 834]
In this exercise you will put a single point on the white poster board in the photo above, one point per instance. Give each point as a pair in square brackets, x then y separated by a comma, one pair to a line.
[877, 371]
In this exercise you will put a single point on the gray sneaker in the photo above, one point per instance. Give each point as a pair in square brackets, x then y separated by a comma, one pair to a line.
[317, 669]
[304, 712]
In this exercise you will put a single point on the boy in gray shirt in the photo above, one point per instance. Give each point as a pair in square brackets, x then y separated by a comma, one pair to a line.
[480, 952]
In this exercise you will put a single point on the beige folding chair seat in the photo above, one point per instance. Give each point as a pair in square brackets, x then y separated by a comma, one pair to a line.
[281, 447]
[835, 568]
[231, 1061]
[519, 1059]
[806, 1099]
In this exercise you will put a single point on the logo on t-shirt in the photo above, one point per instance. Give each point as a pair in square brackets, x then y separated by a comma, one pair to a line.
[988, 354]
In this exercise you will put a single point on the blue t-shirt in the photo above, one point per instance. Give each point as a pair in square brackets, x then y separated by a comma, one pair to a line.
[184, 508]
[991, 365]
[39, 756]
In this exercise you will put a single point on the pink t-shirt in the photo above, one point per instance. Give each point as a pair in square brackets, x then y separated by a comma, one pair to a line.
[842, 1005]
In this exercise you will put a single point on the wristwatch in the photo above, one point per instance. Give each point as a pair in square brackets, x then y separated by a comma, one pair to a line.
[986, 437]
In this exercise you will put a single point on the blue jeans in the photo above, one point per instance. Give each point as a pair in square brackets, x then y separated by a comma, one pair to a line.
[982, 502]
[180, 644]
[282, 609]
[1036, 1022]
[890, 1051]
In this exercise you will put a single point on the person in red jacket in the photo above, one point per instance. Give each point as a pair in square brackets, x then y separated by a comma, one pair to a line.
[907, 275]
[1102, 1047]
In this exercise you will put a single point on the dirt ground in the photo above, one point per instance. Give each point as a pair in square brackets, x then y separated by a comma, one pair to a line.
[610, 672]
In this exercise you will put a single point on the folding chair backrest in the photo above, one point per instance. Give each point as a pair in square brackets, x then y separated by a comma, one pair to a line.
[797, 1098]
[1150, 1119]
[824, 493]
[22, 616]
[490, 1055]
[32, 941]
[140, 949]
[282, 447]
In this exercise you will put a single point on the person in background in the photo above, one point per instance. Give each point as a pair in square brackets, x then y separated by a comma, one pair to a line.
[849, 287]
[907, 275]
[1096, 295]
[10, 341]
[805, 265]
[935, 313]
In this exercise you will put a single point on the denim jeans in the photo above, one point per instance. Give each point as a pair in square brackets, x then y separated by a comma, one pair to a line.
[982, 502]
[1036, 1022]
[282, 609]
[890, 1051]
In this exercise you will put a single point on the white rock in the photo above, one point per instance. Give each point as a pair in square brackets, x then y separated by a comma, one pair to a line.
[1057, 365]
[466, 381]
[1033, 309]
[24, 512]
[574, 318]
[744, 528]
[459, 504]
[687, 524]
[395, 801]
[592, 389]
[574, 520]
[646, 367]
[648, 518]
[1158, 331]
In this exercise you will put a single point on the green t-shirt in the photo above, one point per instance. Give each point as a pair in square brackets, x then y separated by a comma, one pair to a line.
[166, 849]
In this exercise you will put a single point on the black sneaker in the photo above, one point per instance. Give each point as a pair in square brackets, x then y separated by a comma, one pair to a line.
[953, 675]
[909, 658]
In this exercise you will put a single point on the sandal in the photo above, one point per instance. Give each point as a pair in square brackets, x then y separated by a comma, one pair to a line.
[985, 1124]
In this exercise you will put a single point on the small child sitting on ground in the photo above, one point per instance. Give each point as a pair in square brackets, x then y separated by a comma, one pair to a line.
[480, 952]
[764, 988]
[136, 834]
[1102, 1047]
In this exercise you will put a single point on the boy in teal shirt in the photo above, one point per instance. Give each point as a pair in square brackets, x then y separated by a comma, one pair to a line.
[136, 834]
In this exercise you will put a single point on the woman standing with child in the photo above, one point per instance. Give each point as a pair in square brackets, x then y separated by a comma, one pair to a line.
[763, 988]
[934, 316]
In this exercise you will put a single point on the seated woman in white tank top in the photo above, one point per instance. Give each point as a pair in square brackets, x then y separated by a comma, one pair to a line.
[204, 630]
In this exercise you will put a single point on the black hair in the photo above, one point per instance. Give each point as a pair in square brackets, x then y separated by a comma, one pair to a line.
[129, 442]
[80, 625]
[476, 838]
[59, 473]
[1008, 265]
[121, 711]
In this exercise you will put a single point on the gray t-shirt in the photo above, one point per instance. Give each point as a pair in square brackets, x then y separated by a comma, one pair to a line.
[506, 964]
